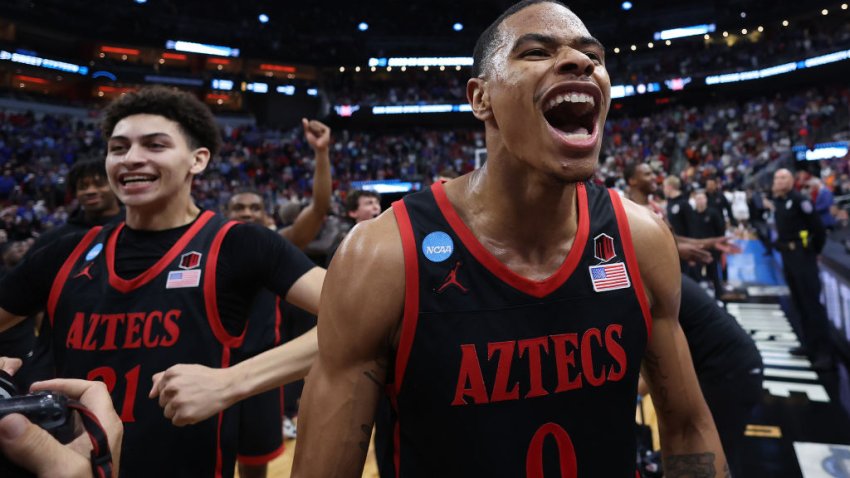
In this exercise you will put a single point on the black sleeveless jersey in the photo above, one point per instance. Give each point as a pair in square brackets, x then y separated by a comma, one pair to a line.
[123, 331]
[497, 375]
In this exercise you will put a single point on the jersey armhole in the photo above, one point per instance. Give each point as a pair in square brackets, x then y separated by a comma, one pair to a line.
[631, 259]
[210, 291]
[411, 291]
[65, 271]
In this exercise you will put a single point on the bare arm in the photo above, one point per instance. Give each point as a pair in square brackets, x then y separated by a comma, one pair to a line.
[360, 313]
[689, 440]
[191, 393]
[309, 222]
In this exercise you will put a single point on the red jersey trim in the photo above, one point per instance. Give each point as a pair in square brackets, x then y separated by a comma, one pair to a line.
[65, 271]
[210, 298]
[631, 259]
[278, 319]
[534, 288]
[124, 285]
[411, 291]
[260, 459]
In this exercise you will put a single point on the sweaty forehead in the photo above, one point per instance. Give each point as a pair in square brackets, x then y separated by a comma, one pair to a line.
[545, 18]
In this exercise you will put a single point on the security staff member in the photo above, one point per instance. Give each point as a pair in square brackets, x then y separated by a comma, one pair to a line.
[679, 211]
[801, 238]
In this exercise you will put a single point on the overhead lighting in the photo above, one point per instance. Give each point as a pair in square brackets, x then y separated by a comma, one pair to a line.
[617, 50]
[263, 18]
[668, 43]
[357, 69]
[363, 26]
[761, 29]
[650, 44]
[634, 47]
[824, 12]
[626, 5]
[457, 27]
[342, 69]
[743, 31]
[784, 23]
[743, 14]
[707, 36]
[844, 6]
[725, 34]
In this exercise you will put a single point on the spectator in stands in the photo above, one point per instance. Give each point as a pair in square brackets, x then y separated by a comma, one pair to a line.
[823, 201]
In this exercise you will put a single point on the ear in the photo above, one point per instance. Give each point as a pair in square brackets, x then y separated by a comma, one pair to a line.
[479, 98]
[200, 160]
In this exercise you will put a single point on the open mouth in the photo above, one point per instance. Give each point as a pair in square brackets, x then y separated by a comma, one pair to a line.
[572, 112]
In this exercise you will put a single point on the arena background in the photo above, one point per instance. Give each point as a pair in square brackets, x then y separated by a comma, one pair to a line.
[732, 89]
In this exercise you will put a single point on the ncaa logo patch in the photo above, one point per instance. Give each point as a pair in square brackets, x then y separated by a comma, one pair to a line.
[438, 246]
[94, 251]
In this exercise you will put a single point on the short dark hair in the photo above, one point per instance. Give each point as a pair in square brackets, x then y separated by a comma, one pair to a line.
[487, 41]
[90, 168]
[352, 201]
[195, 119]
[246, 190]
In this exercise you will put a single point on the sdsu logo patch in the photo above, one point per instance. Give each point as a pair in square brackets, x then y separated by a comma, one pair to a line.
[603, 248]
[437, 246]
[190, 260]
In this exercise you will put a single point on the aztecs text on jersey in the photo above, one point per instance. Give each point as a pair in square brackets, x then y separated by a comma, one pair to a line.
[501, 376]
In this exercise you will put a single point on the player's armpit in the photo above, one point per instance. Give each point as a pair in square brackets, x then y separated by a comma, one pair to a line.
[8, 320]
[362, 303]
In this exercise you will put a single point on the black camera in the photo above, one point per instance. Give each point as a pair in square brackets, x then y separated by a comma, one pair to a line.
[48, 410]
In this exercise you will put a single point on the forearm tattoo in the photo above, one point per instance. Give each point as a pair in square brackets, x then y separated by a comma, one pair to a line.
[698, 465]
[376, 374]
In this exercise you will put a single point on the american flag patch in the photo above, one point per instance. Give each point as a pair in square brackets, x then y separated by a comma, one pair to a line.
[607, 277]
[180, 279]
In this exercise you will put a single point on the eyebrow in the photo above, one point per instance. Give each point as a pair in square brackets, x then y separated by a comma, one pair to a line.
[550, 40]
[144, 137]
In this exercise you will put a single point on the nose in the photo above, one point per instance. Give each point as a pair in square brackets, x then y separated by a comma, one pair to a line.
[133, 155]
[572, 61]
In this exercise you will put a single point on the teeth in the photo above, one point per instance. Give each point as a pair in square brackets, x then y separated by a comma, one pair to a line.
[128, 179]
[572, 98]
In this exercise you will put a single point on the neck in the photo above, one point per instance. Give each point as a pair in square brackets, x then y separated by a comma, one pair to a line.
[509, 205]
[158, 217]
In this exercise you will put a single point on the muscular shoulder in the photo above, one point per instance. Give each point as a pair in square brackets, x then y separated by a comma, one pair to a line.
[374, 247]
[656, 252]
[364, 287]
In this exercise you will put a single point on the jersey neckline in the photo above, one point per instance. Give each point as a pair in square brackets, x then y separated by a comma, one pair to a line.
[535, 288]
[127, 285]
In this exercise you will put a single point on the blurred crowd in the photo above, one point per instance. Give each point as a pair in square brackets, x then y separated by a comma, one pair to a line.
[737, 143]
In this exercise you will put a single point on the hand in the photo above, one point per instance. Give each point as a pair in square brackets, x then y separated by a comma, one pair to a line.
[10, 365]
[189, 394]
[725, 244]
[317, 133]
[693, 253]
[35, 450]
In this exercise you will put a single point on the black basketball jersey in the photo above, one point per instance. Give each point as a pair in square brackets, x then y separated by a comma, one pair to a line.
[122, 331]
[497, 375]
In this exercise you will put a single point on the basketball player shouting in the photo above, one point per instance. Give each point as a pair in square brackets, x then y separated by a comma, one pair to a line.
[515, 304]
[170, 285]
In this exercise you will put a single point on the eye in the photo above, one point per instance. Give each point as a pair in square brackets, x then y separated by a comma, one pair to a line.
[116, 148]
[536, 52]
[593, 56]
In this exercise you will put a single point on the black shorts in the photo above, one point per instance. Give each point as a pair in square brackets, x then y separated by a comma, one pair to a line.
[261, 428]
